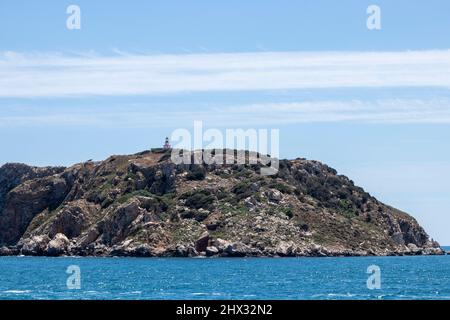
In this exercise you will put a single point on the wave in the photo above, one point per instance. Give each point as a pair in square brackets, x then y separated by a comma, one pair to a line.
[17, 291]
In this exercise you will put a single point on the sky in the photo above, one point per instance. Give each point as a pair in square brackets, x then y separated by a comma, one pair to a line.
[374, 104]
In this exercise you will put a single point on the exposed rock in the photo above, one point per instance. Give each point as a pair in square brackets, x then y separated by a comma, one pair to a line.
[118, 224]
[274, 195]
[144, 205]
[212, 224]
[237, 249]
[90, 236]
[35, 246]
[250, 203]
[5, 251]
[13, 174]
[255, 187]
[180, 251]
[202, 243]
[432, 251]
[285, 249]
[211, 251]
[221, 244]
[58, 245]
[70, 219]
[25, 201]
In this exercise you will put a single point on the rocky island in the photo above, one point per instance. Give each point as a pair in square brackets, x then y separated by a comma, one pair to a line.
[144, 205]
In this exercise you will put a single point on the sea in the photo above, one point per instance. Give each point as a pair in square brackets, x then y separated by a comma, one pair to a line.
[349, 278]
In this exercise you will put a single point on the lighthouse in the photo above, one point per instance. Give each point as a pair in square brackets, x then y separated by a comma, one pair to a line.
[167, 144]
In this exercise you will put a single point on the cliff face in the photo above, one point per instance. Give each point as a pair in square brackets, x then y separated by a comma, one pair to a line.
[144, 205]
[24, 192]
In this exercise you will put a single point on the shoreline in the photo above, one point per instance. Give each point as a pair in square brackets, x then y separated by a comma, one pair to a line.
[204, 256]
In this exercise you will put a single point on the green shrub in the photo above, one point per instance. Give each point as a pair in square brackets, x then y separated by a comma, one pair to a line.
[242, 190]
[127, 196]
[316, 188]
[288, 212]
[197, 172]
[346, 207]
[194, 214]
[199, 199]
[283, 188]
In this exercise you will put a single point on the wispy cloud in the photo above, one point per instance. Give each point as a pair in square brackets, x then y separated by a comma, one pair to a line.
[361, 111]
[366, 111]
[56, 75]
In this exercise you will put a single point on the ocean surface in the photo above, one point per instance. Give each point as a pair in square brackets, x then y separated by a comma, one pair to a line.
[418, 277]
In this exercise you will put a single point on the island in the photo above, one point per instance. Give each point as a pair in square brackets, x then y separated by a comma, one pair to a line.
[145, 205]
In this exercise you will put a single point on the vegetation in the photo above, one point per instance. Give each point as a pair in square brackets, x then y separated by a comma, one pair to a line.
[199, 199]
[127, 196]
[242, 190]
[283, 188]
[197, 172]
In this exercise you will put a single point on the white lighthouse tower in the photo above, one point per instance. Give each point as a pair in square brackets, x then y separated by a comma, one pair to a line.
[167, 144]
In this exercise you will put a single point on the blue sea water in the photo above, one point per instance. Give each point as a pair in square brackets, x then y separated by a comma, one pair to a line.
[419, 277]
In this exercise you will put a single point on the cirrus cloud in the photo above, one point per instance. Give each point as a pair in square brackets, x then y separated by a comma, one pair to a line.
[56, 75]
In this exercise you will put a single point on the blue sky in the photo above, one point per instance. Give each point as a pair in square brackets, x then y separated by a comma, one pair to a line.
[373, 104]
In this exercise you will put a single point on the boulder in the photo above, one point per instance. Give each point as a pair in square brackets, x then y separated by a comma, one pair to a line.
[143, 250]
[211, 251]
[255, 186]
[90, 236]
[413, 248]
[181, 251]
[178, 250]
[274, 195]
[237, 249]
[433, 251]
[5, 251]
[35, 246]
[212, 224]
[250, 203]
[58, 245]
[221, 244]
[202, 243]
[284, 249]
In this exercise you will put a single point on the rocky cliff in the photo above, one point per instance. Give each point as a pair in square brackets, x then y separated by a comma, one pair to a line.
[145, 205]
